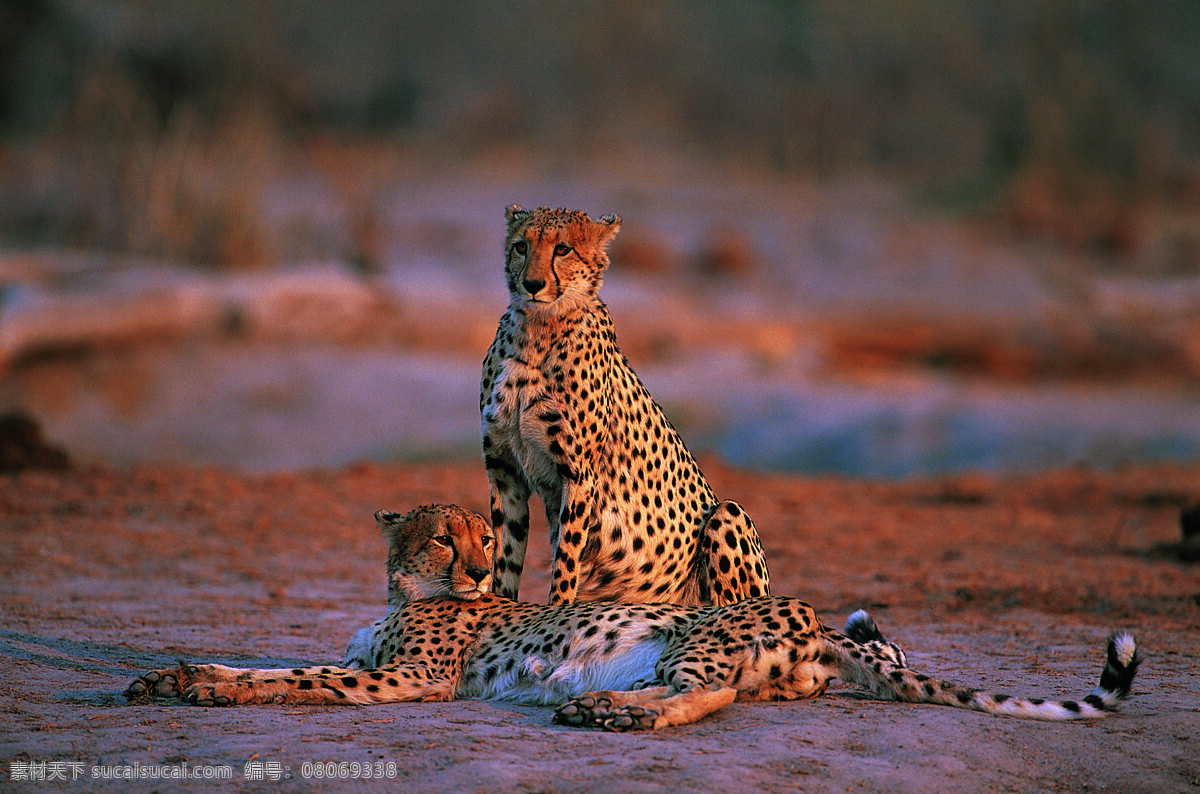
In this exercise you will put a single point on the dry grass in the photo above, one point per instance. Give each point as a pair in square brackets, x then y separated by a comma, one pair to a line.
[110, 175]
[1065, 121]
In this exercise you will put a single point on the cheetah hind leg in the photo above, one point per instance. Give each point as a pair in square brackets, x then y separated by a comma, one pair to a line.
[643, 709]
[737, 566]
[593, 708]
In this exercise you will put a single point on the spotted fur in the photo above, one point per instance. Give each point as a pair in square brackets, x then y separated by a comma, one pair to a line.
[616, 666]
[433, 551]
[631, 516]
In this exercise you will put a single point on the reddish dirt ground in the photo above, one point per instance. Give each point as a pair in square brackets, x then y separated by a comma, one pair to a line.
[1009, 583]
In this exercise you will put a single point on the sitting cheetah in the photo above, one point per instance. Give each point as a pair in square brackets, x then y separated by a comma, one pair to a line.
[631, 516]
[616, 666]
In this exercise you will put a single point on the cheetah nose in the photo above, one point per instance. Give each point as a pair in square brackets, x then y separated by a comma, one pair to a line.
[477, 574]
[533, 286]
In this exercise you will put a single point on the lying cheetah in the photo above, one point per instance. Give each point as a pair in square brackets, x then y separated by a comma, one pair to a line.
[631, 516]
[617, 666]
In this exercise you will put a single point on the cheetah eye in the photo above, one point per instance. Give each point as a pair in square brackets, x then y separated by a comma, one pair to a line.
[520, 247]
[562, 249]
[441, 540]
[488, 540]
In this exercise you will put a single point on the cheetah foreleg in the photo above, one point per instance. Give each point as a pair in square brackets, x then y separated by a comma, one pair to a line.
[173, 682]
[326, 685]
[510, 521]
[570, 536]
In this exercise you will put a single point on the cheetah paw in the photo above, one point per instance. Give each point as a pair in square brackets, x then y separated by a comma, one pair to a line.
[585, 710]
[630, 718]
[155, 684]
[206, 695]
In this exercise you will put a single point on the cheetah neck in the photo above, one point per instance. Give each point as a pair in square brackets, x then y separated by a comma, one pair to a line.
[537, 325]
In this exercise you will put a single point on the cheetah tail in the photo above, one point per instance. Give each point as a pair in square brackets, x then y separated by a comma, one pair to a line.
[861, 628]
[876, 666]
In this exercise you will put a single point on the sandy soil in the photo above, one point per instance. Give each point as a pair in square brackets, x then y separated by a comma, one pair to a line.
[1010, 583]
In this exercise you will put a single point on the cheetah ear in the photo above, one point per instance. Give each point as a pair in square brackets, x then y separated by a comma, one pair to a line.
[390, 521]
[607, 228]
[515, 214]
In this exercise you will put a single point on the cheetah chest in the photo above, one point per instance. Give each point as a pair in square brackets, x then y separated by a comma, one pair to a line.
[514, 418]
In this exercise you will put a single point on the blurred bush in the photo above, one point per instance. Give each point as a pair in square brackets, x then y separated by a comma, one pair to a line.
[157, 127]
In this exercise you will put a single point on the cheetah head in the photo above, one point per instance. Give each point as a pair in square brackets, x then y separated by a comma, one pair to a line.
[555, 259]
[437, 550]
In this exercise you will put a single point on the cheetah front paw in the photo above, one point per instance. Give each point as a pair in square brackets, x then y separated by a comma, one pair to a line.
[206, 695]
[590, 710]
[156, 684]
[630, 718]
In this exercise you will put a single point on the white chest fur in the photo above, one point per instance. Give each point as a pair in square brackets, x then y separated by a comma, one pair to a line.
[512, 418]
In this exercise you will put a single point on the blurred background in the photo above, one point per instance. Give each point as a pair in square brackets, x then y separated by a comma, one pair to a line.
[909, 238]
